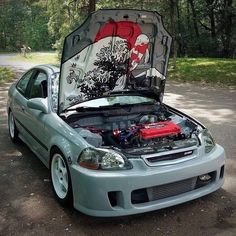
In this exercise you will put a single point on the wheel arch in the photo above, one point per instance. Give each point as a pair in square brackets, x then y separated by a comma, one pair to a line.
[63, 147]
[70, 149]
[55, 149]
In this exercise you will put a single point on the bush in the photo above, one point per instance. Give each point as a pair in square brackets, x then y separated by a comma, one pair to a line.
[6, 74]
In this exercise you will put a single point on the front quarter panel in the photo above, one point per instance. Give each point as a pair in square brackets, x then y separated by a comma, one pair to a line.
[65, 138]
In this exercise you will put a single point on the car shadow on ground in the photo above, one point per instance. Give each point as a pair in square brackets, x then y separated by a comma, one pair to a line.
[27, 200]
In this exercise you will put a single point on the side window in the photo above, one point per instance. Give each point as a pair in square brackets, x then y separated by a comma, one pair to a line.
[23, 82]
[39, 86]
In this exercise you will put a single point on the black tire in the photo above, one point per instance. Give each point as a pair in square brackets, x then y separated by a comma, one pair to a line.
[12, 129]
[65, 199]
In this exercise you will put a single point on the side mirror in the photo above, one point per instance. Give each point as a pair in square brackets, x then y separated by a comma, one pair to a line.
[39, 104]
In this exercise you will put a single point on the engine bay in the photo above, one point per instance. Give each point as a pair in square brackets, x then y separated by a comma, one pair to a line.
[138, 130]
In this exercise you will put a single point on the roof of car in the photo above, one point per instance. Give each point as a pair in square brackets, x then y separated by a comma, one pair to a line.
[49, 67]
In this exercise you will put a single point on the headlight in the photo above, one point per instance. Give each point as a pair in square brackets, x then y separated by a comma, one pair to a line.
[95, 159]
[208, 141]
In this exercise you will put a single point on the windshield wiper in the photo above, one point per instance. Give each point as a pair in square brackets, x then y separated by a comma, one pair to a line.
[112, 106]
[82, 109]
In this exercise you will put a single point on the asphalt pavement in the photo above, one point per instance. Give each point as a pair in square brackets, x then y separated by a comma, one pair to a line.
[28, 207]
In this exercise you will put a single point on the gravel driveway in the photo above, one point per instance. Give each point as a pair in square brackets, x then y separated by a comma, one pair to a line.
[27, 205]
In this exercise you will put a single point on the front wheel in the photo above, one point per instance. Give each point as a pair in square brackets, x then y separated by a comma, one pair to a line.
[13, 132]
[60, 177]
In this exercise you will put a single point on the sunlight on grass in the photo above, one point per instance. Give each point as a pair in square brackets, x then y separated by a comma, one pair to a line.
[6, 74]
[205, 63]
[39, 57]
[207, 70]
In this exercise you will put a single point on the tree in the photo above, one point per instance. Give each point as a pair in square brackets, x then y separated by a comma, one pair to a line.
[226, 39]
[24, 22]
[92, 6]
[173, 22]
[195, 25]
[198, 27]
[65, 16]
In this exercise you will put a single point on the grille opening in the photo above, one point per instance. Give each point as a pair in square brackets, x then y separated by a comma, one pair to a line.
[222, 171]
[139, 196]
[171, 189]
[170, 156]
[113, 198]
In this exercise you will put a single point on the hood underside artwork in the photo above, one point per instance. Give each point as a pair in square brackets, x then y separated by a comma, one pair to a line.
[113, 50]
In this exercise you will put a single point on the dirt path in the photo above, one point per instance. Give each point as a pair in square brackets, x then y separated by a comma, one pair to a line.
[27, 205]
[20, 66]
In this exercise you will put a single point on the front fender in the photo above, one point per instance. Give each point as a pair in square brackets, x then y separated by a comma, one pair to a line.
[68, 149]
[65, 138]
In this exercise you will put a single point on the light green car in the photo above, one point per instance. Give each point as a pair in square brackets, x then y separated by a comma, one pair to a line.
[99, 124]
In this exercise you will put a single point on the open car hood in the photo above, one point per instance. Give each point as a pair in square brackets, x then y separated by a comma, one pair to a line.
[114, 51]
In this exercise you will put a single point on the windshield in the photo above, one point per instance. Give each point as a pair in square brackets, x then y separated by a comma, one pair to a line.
[113, 100]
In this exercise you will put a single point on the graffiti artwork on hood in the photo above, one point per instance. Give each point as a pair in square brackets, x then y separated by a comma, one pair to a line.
[107, 64]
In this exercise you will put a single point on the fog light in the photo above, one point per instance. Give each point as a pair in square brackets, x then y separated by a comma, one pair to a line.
[205, 178]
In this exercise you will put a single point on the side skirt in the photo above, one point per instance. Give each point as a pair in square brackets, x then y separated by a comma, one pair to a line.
[35, 153]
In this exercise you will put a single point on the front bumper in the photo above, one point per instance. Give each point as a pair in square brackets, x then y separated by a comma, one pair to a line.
[91, 188]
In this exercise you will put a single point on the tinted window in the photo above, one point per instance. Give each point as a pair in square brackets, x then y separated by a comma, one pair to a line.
[39, 86]
[23, 82]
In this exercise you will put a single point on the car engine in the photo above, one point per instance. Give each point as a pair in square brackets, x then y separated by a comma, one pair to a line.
[138, 132]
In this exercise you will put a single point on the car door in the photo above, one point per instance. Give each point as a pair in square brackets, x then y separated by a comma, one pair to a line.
[19, 103]
[36, 119]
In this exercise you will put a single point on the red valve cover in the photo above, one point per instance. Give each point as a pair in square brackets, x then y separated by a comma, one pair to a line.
[159, 129]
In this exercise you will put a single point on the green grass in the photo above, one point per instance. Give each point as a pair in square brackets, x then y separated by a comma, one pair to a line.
[206, 70]
[6, 74]
[38, 57]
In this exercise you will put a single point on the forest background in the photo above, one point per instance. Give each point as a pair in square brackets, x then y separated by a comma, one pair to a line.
[200, 28]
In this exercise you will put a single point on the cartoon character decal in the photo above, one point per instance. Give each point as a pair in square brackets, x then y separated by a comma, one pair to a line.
[139, 51]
